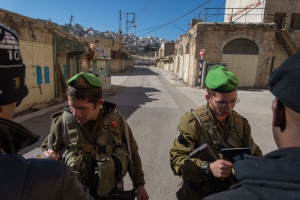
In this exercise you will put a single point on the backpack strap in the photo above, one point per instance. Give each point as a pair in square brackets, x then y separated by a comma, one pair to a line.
[202, 117]
[237, 124]
[69, 129]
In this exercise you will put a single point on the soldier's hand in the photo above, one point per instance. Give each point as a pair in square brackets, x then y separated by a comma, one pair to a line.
[141, 193]
[50, 154]
[221, 168]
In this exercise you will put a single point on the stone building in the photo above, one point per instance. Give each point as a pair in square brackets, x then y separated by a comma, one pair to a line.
[286, 16]
[164, 59]
[113, 50]
[51, 56]
[246, 49]
[254, 39]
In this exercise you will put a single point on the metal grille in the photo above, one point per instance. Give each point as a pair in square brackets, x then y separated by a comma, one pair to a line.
[279, 20]
[241, 46]
[295, 21]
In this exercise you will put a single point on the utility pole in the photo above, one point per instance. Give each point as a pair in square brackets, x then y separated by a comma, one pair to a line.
[120, 32]
[129, 22]
[70, 23]
[129, 25]
[120, 19]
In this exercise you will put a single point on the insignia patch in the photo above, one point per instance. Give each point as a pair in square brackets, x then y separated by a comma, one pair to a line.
[114, 124]
[82, 82]
[17, 82]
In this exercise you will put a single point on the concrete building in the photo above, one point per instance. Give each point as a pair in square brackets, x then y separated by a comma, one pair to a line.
[113, 50]
[51, 56]
[164, 59]
[252, 41]
[286, 15]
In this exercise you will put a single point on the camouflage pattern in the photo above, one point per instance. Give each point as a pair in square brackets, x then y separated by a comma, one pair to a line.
[190, 169]
[82, 152]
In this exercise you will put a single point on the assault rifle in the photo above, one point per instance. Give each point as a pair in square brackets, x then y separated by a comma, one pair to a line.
[205, 153]
[123, 195]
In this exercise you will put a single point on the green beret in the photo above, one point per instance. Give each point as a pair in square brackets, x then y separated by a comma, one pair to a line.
[85, 80]
[220, 79]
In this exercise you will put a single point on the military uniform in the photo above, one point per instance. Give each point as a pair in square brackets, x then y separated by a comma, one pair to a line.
[100, 152]
[199, 127]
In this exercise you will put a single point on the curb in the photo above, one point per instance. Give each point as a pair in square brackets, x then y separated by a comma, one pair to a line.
[40, 112]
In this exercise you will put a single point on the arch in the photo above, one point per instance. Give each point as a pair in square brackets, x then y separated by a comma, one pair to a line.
[251, 45]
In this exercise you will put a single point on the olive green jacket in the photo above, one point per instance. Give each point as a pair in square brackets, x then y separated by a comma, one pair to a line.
[90, 136]
[191, 169]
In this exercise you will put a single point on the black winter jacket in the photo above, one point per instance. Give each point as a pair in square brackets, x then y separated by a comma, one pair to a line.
[33, 178]
[273, 176]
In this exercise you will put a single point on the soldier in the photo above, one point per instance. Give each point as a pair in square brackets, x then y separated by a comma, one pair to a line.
[19, 178]
[276, 175]
[92, 137]
[216, 124]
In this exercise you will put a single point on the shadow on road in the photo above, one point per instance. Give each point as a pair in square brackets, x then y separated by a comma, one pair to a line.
[127, 99]
[138, 71]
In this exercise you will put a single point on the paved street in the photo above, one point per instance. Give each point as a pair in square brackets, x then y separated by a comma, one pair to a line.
[152, 102]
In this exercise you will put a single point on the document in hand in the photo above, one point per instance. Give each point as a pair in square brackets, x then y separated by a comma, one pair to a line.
[235, 154]
[35, 153]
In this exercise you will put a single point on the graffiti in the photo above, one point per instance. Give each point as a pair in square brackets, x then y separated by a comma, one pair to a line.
[244, 10]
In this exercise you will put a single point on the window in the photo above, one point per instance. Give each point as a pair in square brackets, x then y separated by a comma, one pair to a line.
[295, 21]
[241, 46]
[279, 20]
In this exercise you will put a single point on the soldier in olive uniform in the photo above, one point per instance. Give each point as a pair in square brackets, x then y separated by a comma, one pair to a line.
[92, 137]
[216, 124]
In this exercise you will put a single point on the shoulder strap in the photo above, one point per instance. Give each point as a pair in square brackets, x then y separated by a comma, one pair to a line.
[237, 124]
[202, 117]
[70, 131]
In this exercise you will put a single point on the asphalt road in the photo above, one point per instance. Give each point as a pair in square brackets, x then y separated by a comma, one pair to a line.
[152, 102]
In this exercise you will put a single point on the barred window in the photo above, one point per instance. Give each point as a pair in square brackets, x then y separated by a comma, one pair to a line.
[295, 21]
[279, 20]
[241, 46]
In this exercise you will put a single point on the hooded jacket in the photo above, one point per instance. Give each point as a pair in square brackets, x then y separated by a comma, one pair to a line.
[274, 176]
[32, 178]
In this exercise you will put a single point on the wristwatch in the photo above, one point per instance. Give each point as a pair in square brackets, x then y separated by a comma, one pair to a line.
[206, 169]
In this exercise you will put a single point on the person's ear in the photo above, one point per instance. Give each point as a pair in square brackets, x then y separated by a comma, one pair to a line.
[207, 97]
[100, 102]
[279, 118]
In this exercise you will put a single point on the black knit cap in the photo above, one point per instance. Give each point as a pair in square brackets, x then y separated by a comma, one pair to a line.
[284, 82]
[12, 69]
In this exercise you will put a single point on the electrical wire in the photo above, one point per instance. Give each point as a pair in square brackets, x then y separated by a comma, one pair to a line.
[178, 27]
[177, 18]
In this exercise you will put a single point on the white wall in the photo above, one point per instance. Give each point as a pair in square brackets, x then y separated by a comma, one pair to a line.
[241, 8]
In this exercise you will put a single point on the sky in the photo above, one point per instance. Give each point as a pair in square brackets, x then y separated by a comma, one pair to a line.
[166, 19]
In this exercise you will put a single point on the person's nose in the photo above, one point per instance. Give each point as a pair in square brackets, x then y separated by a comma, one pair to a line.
[228, 106]
[76, 112]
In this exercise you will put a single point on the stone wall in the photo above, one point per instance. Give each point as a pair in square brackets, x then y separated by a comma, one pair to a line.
[212, 37]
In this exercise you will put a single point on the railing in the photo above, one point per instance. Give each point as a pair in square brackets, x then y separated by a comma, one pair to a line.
[232, 14]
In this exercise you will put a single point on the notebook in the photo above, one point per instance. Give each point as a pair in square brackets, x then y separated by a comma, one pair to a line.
[235, 154]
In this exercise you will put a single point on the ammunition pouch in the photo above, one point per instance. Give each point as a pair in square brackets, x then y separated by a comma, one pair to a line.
[74, 158]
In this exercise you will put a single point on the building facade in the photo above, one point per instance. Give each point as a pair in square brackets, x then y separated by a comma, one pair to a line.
[51, 56]
[255, 37]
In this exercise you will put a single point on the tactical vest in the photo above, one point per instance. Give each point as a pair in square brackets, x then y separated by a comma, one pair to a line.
[211, 133]
[109, 156]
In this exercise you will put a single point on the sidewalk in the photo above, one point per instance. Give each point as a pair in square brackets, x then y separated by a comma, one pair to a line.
[116, 79]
